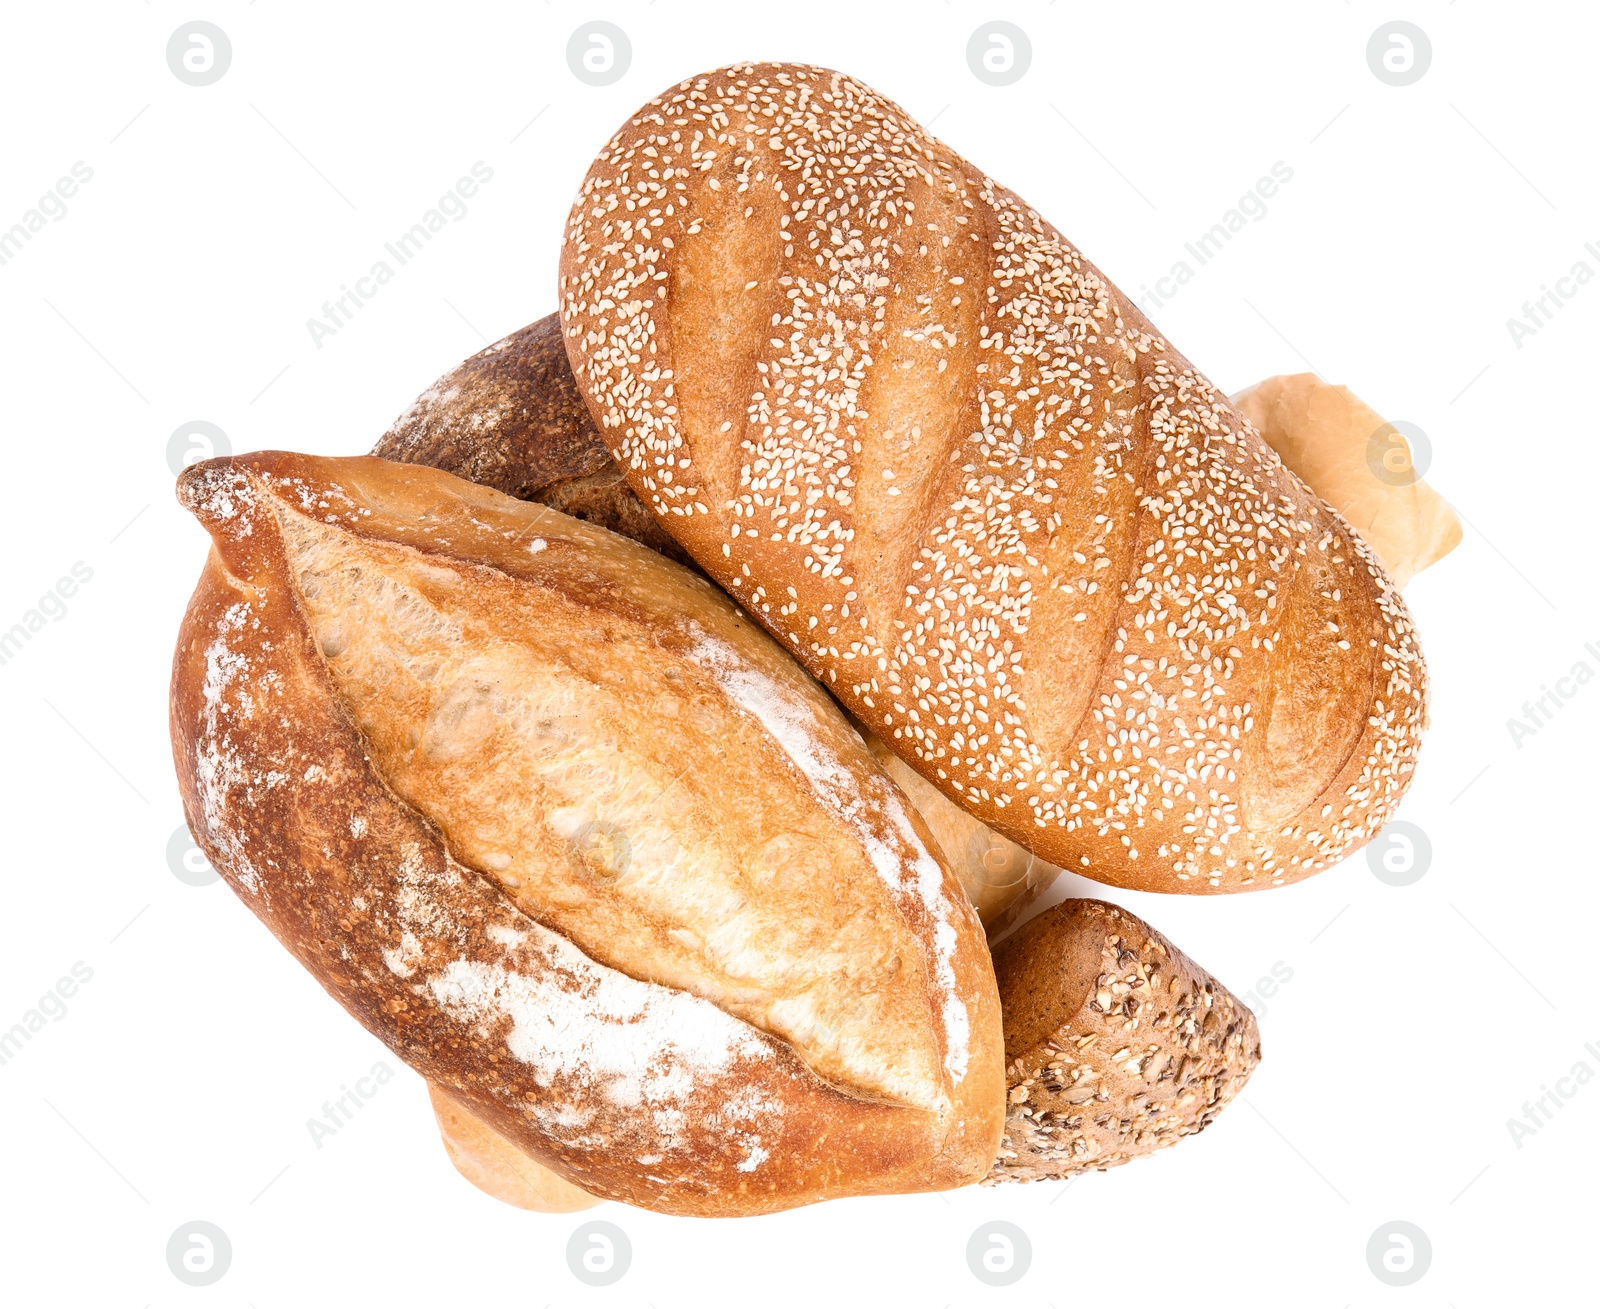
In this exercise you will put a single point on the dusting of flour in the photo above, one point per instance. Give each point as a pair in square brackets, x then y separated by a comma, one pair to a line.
[637, 1045]
[792, 724]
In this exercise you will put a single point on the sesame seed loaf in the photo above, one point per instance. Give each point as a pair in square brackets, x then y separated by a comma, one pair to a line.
[510, 417]
[556, 822]
[896, 414]
[1117, 1044]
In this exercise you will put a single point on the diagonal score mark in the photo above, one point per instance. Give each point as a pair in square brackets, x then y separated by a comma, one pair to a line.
[1293, 1147]
[1099, 152]
[1502, 155]
[1502, 955]
[1504, 556]
[103, 1159]
[103, 359]
[308, 163]
[91, 746]
[1285, 339]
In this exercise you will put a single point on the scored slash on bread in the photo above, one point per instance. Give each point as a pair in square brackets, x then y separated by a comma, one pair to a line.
[510, 417]
[928, 445]
[470, 760]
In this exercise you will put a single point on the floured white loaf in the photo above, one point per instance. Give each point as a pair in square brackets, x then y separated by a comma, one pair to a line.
[925, 442]
[583, 846]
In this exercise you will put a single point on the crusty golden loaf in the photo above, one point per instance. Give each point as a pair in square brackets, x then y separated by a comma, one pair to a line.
[553, 820]
[510, 417]
[1117, 1044]
[955, 470]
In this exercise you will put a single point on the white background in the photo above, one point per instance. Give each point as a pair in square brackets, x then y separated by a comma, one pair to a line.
[1418, 1019]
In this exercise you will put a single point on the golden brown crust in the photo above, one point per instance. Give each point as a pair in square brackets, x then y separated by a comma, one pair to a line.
[497, 1168]
[542, 446]
[511, 418]
[627, 1088]
[950, 466]
[1117, 1044]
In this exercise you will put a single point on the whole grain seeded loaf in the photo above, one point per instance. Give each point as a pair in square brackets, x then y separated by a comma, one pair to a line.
[1117, 1044]
[936, 452]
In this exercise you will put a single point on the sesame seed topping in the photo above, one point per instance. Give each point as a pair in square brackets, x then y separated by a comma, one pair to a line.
[941, 457]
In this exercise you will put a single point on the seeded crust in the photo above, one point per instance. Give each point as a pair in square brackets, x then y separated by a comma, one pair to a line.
[925, 442]
[626, 1087]
[511, 418]
[1117, 1044]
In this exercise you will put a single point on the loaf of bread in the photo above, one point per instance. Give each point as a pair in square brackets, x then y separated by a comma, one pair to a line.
[559, 825]
[1117, 1044]
[927, 444]
[510, 417]
[1341, 447]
